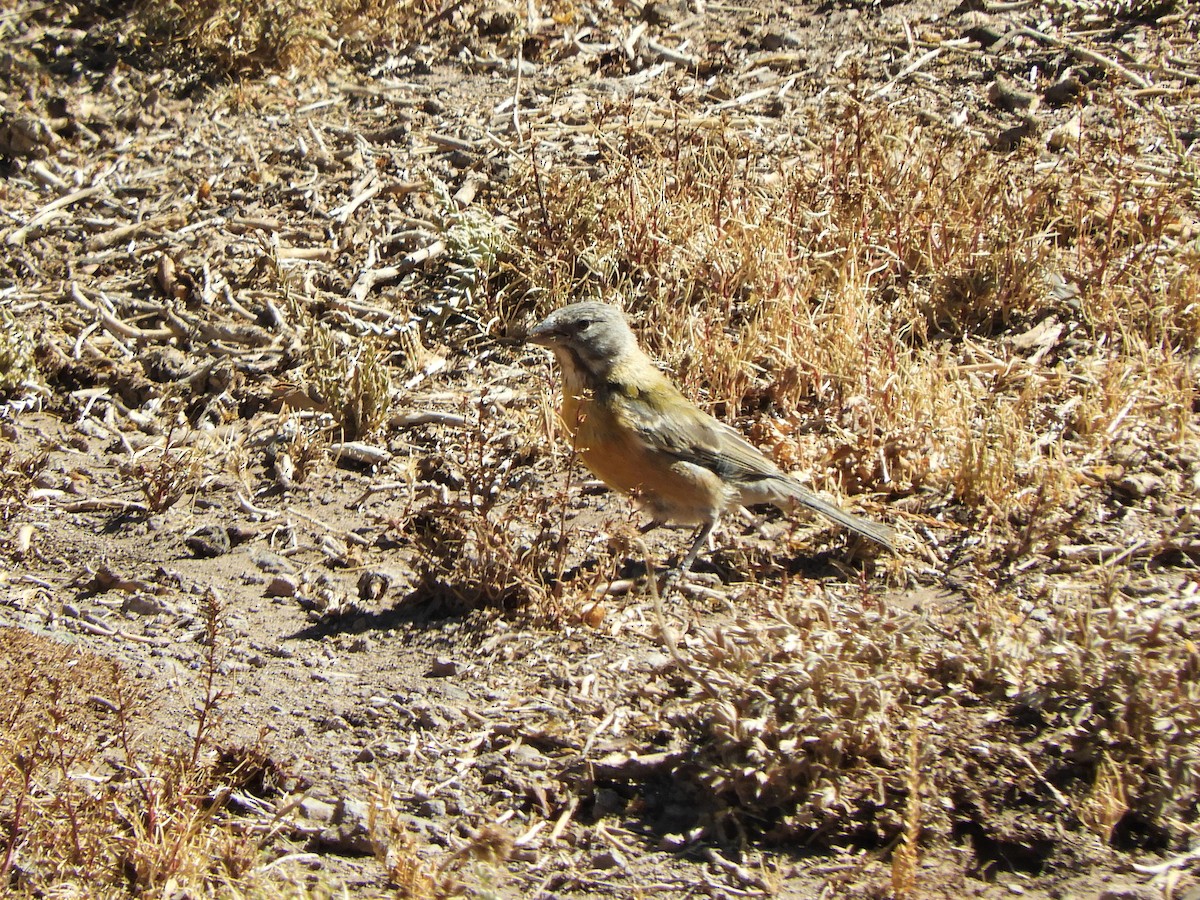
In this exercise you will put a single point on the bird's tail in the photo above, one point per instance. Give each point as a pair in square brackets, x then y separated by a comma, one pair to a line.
[794, 494]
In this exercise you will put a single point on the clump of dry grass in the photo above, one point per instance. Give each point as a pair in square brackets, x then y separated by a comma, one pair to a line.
[84, 801]
[18, 368]
[93, 804]
[417, 879]
[347, 376]
[820, 709]
[165, 480]
[89, 805]
[489, 541]
[241, 37]
[803, 704]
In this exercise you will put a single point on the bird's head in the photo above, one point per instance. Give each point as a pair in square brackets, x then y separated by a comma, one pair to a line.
[592, 337]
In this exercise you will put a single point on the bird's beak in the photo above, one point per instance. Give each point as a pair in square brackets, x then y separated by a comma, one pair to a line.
[544, 334]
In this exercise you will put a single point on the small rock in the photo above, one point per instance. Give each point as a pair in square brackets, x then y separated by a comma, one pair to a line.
[271, 563]
[143, 604]
[608, 859]
[208, 542]
[777, 40]
[1005, 94]
[432, 808]
[443, 667]
[353, 812]
[427, 717]
[283, 586]
[316, 810]
[352, 831]
[665, 12]
[1063, 91]
[1066, 135]
[1139, 485]
[656, 662]
[528, 757]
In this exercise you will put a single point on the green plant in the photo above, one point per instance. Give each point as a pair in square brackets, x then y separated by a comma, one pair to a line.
[349, 377]
[18, 368]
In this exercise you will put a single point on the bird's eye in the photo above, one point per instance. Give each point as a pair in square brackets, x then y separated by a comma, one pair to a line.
[584, 324]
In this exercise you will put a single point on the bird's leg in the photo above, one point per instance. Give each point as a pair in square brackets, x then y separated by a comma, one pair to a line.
[703, 533]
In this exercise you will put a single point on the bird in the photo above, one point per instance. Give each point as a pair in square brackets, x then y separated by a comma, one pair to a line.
[636, 432]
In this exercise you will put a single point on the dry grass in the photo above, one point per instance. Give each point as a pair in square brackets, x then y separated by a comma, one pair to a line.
[18, 370]
[987, 340]
[822, 707]
[348, 379]
[90, 805]
[492, 542]
[166, 477]
[896, 309]
[240, 38]
[862, 307]
[93, 804]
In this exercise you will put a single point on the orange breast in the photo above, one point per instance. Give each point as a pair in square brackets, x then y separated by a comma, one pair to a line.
[671, 489]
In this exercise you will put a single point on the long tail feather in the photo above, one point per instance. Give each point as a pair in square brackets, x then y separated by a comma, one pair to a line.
[877, 532]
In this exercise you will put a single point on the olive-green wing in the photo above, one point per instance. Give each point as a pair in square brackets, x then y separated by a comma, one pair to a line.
[669, 422]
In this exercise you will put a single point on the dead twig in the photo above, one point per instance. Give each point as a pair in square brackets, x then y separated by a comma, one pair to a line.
[1083, 53]
[343, 213]
[410, 420]
[370, 278]
[116, 326]
[108, 504]
[50, 211]
[94, 626]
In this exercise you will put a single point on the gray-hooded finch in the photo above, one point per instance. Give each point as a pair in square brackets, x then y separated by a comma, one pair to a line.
[640, 436]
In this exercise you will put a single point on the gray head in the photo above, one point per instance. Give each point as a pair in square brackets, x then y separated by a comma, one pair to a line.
[592, 336]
